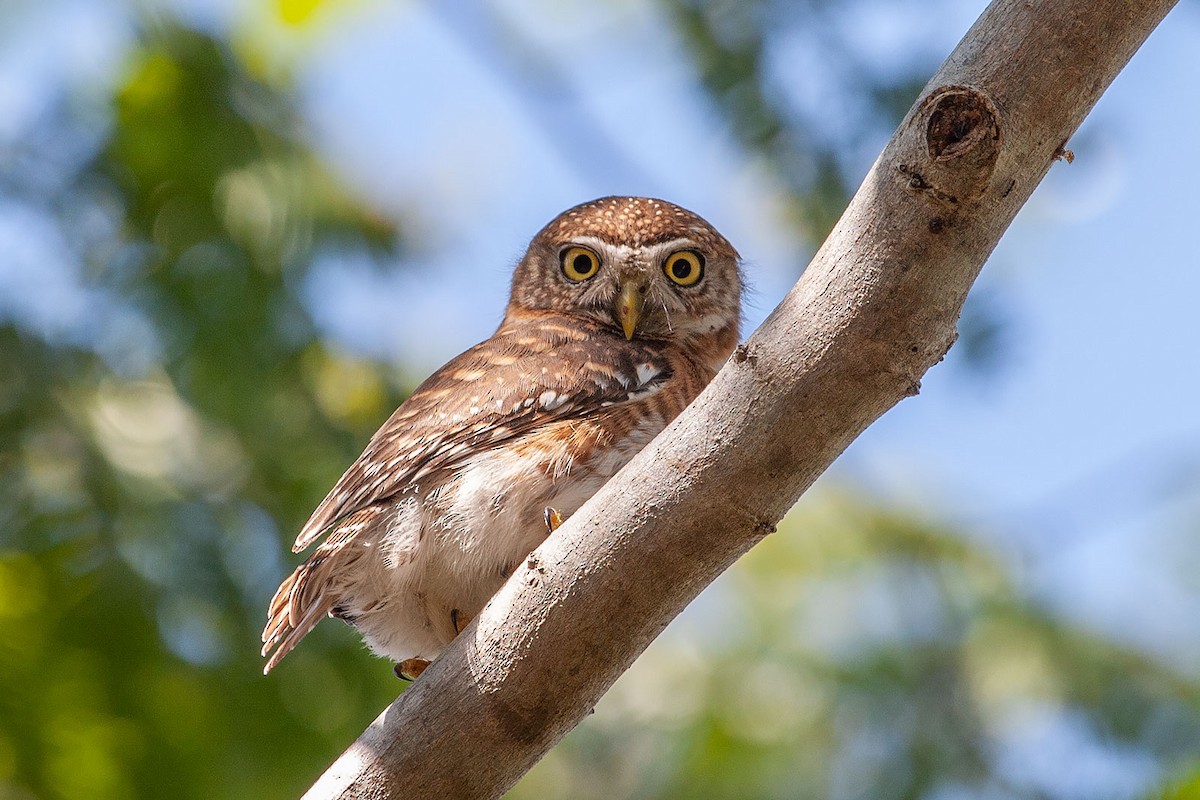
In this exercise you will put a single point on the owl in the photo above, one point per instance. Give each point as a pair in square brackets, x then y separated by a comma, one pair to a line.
[622, 310]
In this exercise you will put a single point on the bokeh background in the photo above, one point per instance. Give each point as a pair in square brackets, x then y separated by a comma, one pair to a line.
[234, 234]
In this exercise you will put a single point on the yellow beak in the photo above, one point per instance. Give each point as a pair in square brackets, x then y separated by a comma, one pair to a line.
[629, 306]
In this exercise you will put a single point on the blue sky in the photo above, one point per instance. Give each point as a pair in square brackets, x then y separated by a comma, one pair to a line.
[1080, 455]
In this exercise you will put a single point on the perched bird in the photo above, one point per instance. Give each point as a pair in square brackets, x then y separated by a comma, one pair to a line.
[622, 310]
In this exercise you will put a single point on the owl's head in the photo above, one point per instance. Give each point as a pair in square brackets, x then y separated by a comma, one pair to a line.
[644, 267]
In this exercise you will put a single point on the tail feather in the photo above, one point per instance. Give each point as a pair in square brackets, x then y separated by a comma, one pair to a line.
[301, 601]
[312, 591]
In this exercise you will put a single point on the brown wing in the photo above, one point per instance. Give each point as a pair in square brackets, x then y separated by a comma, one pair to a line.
[534, 370]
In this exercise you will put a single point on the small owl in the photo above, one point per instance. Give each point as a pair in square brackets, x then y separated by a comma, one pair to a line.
[622, 310]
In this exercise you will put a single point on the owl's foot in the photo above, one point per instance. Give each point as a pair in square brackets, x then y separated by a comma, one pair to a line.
[410, 668]
[553, 519]
[459, 620]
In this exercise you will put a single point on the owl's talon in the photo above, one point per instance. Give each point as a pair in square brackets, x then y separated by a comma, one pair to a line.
[410, 668]
[553, 519]
[458, 620]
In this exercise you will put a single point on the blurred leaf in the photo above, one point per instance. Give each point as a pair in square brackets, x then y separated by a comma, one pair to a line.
[144, 513]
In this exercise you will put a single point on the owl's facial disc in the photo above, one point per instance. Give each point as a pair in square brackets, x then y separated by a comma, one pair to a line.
[631, 298]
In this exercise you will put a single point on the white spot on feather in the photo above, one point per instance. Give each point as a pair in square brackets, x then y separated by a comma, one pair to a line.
[646, 372]
[550, 400]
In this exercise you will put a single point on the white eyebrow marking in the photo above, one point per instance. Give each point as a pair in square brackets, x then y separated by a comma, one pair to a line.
[623, 252]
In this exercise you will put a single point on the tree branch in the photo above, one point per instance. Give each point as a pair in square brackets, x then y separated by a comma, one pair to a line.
[874, 310]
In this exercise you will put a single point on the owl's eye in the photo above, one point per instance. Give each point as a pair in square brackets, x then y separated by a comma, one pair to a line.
[685, 267]
[579, 263]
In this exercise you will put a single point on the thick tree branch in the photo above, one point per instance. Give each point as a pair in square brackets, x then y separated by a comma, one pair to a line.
[875, 309]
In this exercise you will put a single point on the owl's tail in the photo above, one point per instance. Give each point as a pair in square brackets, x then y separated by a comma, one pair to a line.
[314, 589]
[298, 605]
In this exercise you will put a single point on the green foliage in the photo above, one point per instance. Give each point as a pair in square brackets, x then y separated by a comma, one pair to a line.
[144, 515]
[1187, 788]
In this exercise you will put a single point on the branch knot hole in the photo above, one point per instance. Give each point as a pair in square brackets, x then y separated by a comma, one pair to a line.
[961, 119]
[957, 130]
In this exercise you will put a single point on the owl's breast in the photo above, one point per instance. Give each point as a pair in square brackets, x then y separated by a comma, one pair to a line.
[491, 513]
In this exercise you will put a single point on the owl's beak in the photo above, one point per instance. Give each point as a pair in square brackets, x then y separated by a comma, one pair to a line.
[630, 301]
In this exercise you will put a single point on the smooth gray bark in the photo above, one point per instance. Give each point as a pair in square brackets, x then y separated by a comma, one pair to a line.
[874, 310]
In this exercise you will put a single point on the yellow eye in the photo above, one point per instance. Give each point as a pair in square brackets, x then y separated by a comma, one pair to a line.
[579, 263]
[685, 267]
